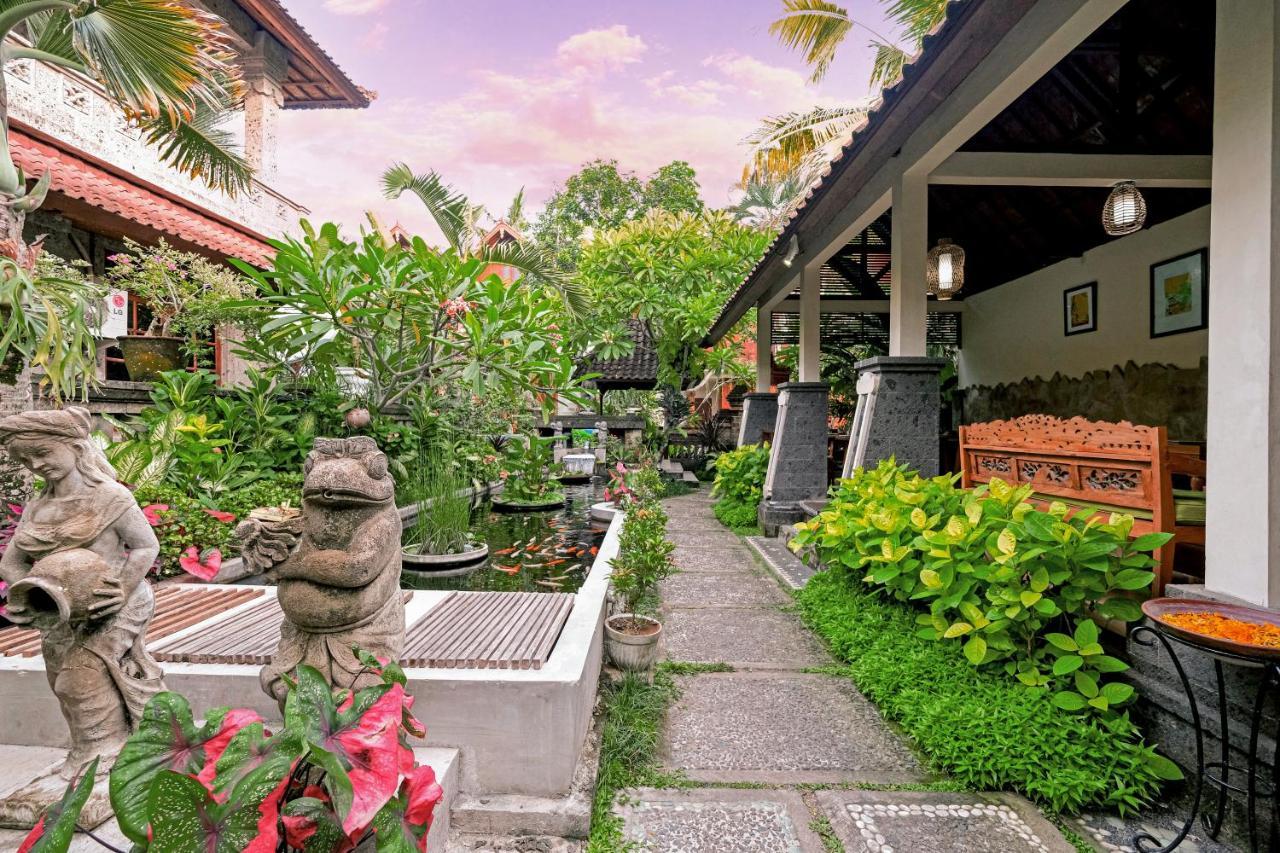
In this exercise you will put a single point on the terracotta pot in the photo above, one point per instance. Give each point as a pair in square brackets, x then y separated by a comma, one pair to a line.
[632, 652]
[58, 590]
[146, 357]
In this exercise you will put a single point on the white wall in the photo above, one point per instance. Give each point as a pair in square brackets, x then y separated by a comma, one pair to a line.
[1015, 331]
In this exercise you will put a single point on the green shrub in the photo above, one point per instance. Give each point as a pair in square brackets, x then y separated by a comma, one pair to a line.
[739, 485]
[1013, 585]
[985, 730]
[644, 554]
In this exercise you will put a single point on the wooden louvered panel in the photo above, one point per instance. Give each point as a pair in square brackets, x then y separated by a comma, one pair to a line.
[177, 607]
[488, 630]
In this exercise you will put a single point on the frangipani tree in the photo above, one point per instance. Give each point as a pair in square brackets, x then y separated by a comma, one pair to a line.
[413, 321]
[168, 68]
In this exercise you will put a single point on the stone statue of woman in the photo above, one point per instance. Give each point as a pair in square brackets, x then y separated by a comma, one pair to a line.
[76, 569]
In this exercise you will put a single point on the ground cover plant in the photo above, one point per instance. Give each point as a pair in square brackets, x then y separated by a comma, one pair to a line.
[739, 485]
[1015, 587]
[984, 729]
[340, 771]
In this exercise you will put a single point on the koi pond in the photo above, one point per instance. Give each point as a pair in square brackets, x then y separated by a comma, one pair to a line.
[549, 551]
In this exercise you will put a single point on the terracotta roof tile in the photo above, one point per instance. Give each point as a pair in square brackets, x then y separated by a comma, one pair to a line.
[78, 178]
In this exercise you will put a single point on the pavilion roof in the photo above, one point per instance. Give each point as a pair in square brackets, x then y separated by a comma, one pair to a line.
[639, 369]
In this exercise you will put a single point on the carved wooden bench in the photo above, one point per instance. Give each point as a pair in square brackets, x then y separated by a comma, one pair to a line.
[1092, 466]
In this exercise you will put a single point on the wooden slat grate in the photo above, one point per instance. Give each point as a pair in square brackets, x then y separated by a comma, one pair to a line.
[249, 637]
[488, 630]
[177, 607]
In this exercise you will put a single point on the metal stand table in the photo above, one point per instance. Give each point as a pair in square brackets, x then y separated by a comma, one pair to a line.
[1219, 773]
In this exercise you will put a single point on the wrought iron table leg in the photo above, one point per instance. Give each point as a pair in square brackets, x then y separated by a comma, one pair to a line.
[1213, 824]
[1145, 842]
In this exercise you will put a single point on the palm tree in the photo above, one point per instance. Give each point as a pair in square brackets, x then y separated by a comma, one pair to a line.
[801, 142]
[766, 202]
[459, 221]
[167, 66]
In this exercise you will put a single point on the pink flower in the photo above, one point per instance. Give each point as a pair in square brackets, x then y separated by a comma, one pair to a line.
[173, 267]
[224, 517]
[14, 509]
[504, 474]
[152, 513]
[204, 566]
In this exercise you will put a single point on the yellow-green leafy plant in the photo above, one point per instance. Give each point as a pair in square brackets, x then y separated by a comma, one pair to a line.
[1014, 585]
[739, 484]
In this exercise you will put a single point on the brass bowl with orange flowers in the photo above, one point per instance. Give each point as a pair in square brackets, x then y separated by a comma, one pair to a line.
[1236, 629]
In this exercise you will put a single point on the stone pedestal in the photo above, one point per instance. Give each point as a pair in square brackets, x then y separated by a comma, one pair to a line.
[899, 414]
[759, 415]
[798, 459]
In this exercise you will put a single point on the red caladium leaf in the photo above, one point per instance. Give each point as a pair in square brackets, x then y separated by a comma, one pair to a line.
[357, 744]
[402, 824]
[53, 832]
[312, 826]
[185, 816]
[232, 724]
[167, 739]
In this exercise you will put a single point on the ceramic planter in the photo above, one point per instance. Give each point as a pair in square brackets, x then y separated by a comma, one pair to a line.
[147, 356]
[445, 565]
[632, 652]
[603, 511]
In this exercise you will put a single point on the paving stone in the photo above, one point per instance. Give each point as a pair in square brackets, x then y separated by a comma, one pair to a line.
[908, 821]
[720, 559]
[704, 538]
[789, 568]
[718, 821]
[1162, 820]
[738, 589]
[781, 728]
[758, 638]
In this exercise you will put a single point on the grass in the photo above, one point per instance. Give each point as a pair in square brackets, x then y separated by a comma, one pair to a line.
[984, 729]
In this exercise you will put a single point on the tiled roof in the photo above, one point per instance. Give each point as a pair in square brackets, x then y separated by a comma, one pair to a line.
[637, 370]
[76, 176]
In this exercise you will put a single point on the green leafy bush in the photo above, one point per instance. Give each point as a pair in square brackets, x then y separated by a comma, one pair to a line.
[644, 554]
[1012, 584]
[983, 729]
[739, 484]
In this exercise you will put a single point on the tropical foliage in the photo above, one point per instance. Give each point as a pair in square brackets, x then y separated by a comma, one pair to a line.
[411, 322]
[672, 271]
[739, 484]
[1015, 587]
[599, 198]
[339, 772]
[644, 552]
[187, 294]
[526, 471]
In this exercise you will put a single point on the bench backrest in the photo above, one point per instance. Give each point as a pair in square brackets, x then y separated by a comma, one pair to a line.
[1118, 464]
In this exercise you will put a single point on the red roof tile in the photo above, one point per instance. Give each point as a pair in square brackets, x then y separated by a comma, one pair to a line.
[76, 176]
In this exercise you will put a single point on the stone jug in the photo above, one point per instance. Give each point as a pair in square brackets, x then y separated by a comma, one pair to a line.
[59, 589]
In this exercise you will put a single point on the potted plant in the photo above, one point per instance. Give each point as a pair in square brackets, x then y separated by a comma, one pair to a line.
[186, 296]
[440, 538]
[527, 483]
[644, 558]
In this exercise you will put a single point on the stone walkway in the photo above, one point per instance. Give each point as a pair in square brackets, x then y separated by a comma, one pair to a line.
[785, 758]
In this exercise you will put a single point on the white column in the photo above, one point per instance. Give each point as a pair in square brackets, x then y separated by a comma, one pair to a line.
[810, 323]
[908, 299]
[1242, 552]
[764, 349]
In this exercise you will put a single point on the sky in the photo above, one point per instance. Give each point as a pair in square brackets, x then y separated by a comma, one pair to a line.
[502, 94]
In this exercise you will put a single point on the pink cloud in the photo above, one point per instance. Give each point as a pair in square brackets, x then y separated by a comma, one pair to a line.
[375, 38]
[610, 49]
[354, 7]
[701, 94]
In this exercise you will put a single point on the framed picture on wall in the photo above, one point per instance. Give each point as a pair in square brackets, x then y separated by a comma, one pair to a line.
[1080, 309]
[1180, 294]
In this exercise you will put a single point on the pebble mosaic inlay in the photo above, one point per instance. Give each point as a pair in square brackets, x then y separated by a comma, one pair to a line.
[874, 822]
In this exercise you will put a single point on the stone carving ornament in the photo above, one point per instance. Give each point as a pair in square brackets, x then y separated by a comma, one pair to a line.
[337, 568]
[76, 570]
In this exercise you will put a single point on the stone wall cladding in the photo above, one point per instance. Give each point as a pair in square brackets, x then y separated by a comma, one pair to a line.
[75, 110]
[1151, 394]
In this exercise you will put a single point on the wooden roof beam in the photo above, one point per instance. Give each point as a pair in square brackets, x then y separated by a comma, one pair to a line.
[987, 168]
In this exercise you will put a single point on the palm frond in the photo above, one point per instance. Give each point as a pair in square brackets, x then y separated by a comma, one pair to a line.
[887, 65]
[51, 32]
[540, 267]
[815, 27]
[200, 147]
[917, 18]
[800, 140]
[767, 201]
[154, 56]
[447, 207]
[515, 213]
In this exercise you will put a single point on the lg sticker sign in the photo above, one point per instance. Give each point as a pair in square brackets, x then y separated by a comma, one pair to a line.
[115, 319]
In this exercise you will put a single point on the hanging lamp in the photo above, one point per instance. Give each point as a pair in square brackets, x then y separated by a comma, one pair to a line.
[1125, 211]
[944, 272]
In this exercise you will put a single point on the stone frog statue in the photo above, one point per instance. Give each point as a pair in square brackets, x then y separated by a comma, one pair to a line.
[339, 586]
